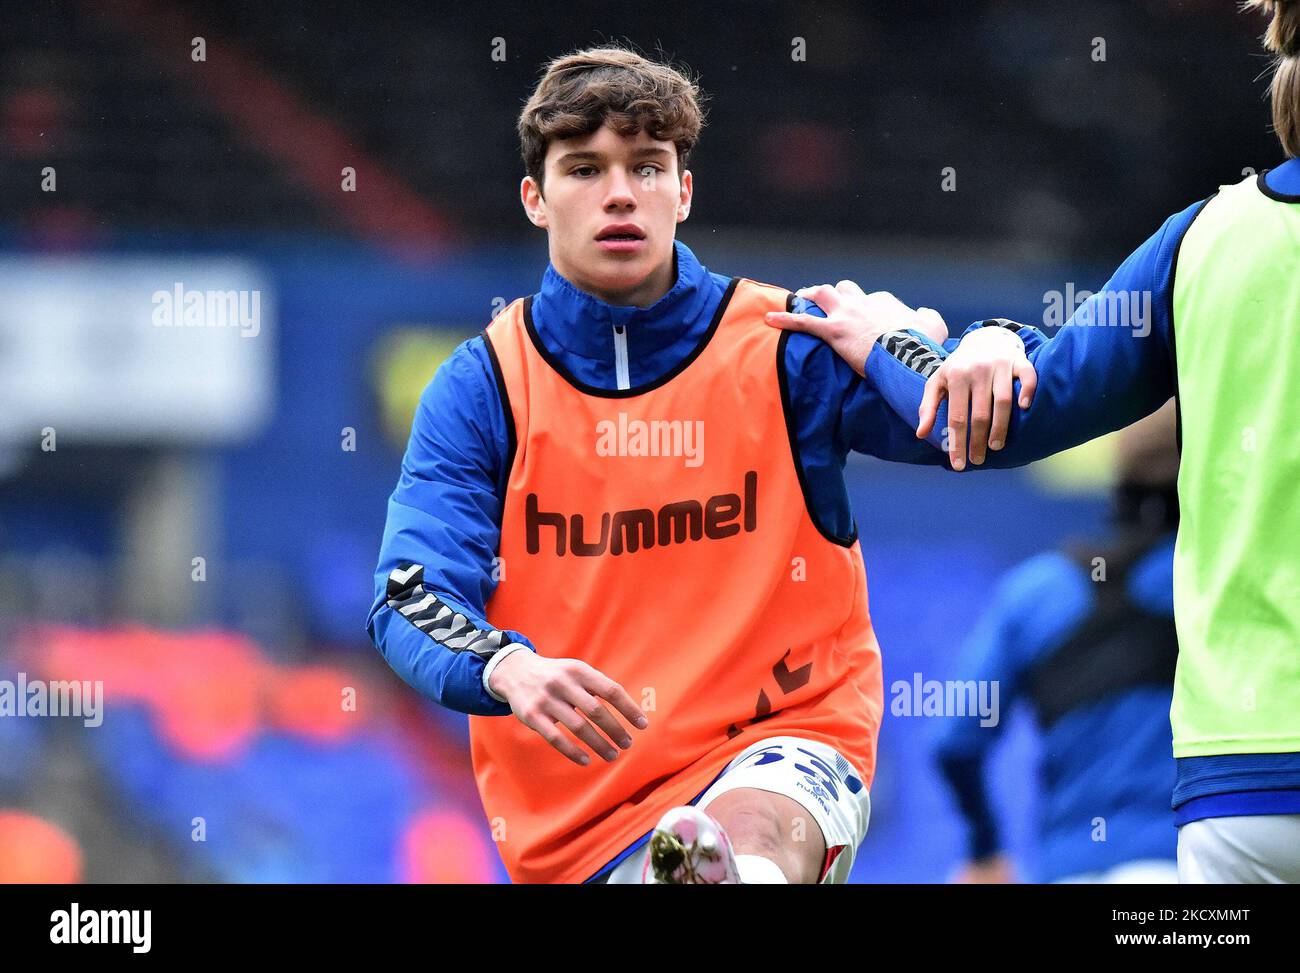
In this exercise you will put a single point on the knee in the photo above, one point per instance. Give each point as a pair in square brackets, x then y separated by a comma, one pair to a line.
[752, 828]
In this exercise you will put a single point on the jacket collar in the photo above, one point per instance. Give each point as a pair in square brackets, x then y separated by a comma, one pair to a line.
[575, 322]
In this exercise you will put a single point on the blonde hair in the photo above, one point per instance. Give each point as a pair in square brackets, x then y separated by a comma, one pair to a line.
[1283, 39]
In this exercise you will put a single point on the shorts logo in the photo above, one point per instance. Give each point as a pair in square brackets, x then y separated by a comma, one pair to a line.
[826, 783]
[816, 790]
[820, 780]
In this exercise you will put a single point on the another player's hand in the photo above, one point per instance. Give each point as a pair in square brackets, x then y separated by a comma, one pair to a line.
[994, 870]
[855, 320]
[977, 379]
[546, 694]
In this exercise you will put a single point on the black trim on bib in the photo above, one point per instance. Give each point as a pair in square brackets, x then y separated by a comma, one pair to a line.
[1173, 349]
[511, 442]
[783, 380]
[672, 373]
[1272, 193]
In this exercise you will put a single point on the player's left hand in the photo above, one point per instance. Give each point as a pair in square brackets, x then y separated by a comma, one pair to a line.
[977, 379]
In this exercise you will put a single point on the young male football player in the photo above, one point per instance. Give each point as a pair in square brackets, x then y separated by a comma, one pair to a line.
[621, 518]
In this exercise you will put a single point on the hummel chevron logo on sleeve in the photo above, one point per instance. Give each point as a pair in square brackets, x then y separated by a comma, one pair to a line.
[912, 352]
[404, 579]
[427, 612]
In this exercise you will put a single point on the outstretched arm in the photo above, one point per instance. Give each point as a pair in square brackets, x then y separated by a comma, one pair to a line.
[1110, 365]
[828, 389]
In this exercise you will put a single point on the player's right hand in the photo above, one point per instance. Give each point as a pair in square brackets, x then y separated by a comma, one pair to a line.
[547, 694]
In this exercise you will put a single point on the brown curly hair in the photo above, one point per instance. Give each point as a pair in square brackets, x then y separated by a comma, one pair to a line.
[582, 91]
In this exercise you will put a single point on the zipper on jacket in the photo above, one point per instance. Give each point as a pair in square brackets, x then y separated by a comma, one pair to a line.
[620, 357]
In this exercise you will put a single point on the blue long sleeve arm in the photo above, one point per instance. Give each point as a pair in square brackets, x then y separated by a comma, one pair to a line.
[436, 566]
[836, 406]
[1108, 366]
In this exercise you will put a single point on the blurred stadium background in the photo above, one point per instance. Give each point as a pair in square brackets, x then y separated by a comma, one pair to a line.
[128, 167]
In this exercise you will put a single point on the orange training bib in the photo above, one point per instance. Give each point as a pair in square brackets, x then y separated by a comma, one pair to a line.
[661, 535]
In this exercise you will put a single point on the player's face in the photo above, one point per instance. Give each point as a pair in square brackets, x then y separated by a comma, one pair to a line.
[611, 208]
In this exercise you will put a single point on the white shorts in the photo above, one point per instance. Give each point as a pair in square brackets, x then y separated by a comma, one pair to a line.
[1250, 849]
[811, 773]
